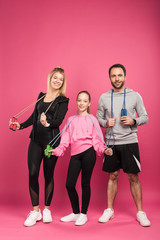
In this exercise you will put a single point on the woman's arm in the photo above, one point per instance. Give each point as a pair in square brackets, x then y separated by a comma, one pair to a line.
[61, 111]
[30, 120]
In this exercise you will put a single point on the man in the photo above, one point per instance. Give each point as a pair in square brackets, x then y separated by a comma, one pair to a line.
[117, 113]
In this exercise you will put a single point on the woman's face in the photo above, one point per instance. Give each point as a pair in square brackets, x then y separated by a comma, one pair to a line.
[57, 80]
[83, 103]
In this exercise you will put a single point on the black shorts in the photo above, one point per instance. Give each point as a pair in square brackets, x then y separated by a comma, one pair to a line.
[124, 157]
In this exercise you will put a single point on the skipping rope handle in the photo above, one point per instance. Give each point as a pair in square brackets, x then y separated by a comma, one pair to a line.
[47, 153]
[13, 126]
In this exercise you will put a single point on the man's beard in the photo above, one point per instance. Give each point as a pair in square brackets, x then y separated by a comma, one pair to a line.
[122, 84]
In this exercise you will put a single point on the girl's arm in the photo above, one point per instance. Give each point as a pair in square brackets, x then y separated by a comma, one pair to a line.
[98, 144]
[64, 143]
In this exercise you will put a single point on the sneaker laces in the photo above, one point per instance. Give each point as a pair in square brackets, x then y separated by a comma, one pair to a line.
[31, 214]
[47, 212]
[109, 210]
[143, 216]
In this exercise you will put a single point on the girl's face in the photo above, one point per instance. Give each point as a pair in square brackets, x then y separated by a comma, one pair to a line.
[83, 103]
[57, 81]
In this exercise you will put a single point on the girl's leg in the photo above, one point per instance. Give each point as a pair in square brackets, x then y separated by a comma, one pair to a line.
[88, 162]
[72, 176]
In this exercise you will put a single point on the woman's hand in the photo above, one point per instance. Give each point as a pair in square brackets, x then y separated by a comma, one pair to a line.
[16, 123]
[43, 119]
[109, 151]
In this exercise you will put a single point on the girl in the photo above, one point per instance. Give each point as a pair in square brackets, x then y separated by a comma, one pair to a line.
[85, 140]
[44, 127]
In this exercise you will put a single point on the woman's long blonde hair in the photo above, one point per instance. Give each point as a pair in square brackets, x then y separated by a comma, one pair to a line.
[62, 90]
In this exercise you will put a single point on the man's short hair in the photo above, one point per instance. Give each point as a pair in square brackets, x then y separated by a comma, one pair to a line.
[118, 66]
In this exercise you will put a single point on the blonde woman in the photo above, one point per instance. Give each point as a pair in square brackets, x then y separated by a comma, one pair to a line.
[46, 118]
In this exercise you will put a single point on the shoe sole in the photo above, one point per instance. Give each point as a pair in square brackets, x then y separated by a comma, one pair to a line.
[101, 221]
[67, 221]
[80, 224]
[38, 219]
[47, 221]
[143, 225]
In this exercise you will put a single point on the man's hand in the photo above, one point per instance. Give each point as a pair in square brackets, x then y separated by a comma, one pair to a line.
[111, 122]
[126, 120]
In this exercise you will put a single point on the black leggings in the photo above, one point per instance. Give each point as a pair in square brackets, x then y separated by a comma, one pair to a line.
[84, 161]
[35, 156]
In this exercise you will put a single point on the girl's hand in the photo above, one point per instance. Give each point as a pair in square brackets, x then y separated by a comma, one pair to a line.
[43, 119]
[52, 151]
[109, 151]
[17, 124]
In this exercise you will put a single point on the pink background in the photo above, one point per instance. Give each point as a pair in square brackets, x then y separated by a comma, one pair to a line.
[85, 37]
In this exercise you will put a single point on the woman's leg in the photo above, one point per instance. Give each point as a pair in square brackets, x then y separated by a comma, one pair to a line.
[35, 153]
[48, 168]
[72, 176]
[88, 162]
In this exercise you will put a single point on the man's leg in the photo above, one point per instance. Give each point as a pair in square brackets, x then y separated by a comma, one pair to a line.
[112, 188]
[136, 190]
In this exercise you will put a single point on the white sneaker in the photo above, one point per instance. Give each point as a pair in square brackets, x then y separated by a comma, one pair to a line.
[47, 218]
[107, 215]
[70, 218]
[142, 219]
[32, 218]
[81, 220]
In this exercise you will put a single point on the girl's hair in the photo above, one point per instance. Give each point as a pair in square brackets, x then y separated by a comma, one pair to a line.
[89, 97]
[62, 90]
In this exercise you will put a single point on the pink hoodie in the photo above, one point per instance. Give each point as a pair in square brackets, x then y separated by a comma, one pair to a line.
[81, 134]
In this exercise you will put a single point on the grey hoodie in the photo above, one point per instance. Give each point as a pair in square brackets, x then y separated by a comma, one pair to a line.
[134, 104]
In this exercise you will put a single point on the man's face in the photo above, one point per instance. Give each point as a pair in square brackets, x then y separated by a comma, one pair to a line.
[117, 78]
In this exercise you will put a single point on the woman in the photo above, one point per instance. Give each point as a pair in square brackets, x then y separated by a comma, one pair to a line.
[83, 133]
[48, 115]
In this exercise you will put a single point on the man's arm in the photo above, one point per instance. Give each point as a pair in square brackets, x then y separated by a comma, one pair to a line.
[141, 112]
[101, 113]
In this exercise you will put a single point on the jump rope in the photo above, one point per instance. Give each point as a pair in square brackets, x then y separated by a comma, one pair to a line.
[123, 113]
[55, 139]
[14, 119]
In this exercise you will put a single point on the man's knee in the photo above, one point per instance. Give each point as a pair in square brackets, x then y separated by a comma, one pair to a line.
[114, 176]
[133, 178]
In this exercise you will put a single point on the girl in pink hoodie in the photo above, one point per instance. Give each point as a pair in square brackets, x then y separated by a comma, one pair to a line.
[84, 137]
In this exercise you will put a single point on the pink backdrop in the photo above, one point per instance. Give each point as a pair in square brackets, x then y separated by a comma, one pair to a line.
[85, 37]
